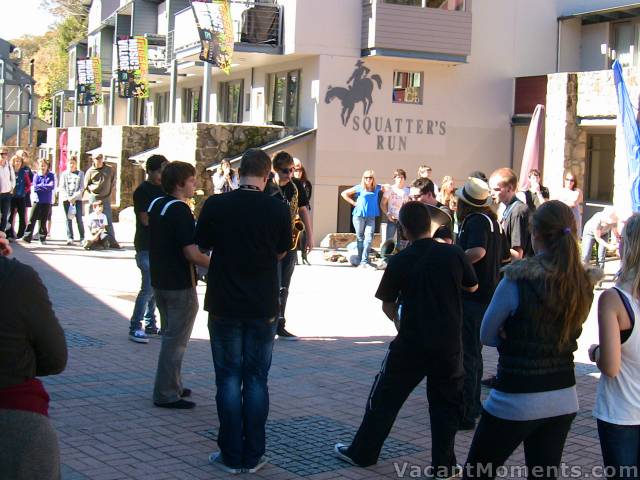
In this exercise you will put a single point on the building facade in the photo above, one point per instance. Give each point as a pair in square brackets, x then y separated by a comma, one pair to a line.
[387, 84]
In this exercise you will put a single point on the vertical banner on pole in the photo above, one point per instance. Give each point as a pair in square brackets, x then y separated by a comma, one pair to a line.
[133, 67]
[215, 28]
[88, 81]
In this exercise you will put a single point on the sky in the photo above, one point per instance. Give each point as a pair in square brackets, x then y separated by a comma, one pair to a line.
[21, 17]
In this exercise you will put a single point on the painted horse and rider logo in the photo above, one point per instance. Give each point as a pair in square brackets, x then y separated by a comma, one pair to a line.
[360, 88]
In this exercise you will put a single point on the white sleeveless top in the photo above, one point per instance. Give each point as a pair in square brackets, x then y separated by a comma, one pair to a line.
[618, 398]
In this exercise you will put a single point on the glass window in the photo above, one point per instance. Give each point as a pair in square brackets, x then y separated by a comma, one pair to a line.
[284, 95]
[623, 41]
[413, 3]
[162, 107]
[191, 104]
[230, 104]
[441, 4]
[407, 87]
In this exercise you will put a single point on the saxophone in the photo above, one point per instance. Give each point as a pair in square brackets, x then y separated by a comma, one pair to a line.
[297, 226]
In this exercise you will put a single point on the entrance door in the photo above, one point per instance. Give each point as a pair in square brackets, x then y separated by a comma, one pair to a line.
[598, 189]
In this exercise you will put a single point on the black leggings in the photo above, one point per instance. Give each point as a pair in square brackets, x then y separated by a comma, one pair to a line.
[496, 439]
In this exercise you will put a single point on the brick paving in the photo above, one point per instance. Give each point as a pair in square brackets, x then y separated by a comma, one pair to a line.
[107, 425]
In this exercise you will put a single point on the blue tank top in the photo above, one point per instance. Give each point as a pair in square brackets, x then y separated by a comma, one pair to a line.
[367, 202]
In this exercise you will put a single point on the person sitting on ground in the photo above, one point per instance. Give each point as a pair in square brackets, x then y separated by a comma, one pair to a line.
[32, 344]
[99, 237]
[597, 228]
[421, 293]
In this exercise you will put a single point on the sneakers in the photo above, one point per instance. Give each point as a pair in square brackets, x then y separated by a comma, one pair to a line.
[26, 239]
[261, 463]
[215, 459]
[69, 241]
[152, 331]
[139, 337]
[181, 404]
[42, 241]
[340, 449]
[283, 334]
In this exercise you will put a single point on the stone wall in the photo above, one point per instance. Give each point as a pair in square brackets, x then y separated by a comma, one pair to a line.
[597, 93]
[135, 139]
[80, 141]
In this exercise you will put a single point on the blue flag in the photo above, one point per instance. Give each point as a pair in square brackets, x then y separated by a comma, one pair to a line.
[629, 122]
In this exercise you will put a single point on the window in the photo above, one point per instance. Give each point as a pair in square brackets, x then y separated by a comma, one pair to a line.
[623, 40]
[191, 104]
[407, 87]
[441, 4]
[284, 88]
[162, 107]
[230, 102]
[600, 160]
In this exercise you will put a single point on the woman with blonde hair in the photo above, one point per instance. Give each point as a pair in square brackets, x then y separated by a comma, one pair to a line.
[534, 319]
[617, 407]
[447, 191]
[572, 196]
[364, 199]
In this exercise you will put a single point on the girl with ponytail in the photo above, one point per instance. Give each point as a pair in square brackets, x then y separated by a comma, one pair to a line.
[534, 319]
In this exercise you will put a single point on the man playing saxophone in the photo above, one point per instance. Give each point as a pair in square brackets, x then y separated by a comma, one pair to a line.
[291, 191]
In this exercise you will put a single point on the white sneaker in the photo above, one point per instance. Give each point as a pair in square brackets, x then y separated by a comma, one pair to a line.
[69, 242]
[216, 459]
[261, 463]
[139, 337]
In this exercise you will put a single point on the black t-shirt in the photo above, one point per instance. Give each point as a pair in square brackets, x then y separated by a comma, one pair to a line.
[142, 198]
[426, 279]
[515, 222]
[480, 230]
[168, 235]
[288, 191]
[245, 230]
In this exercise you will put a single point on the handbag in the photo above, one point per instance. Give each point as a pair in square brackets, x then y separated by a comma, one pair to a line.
[71, 212]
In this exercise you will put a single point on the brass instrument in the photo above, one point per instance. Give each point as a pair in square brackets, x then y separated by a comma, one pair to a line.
[297, 226]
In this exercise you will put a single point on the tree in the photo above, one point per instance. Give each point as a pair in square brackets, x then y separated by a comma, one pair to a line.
[68, 8]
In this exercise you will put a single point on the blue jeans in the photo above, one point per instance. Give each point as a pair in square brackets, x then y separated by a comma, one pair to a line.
[242, 350]
[588, 239]
[78, 205]
[620, 446]
[145, 307]
[365, 227]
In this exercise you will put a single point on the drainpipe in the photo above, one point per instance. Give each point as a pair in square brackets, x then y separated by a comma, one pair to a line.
[558, 38]
[31, 73]
[173, 90]
[112, 100]
[19, 120]
[2, 101]
[206, 92]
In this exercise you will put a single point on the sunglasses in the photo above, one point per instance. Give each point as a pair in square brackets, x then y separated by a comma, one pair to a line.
[285, 170]
[368, 178]
[569, 179]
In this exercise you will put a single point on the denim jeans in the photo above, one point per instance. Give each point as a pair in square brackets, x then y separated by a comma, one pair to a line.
[242, 350]
[365, 227]
[178, 309]
[392, 231]
[145, 306]
[588, 239]
[472, 313]
[620, 446]
[78, 205]
[402, 371]
[5, 210]
[496, 439]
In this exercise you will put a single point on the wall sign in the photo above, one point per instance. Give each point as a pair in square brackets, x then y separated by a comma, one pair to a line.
[215, 28]
[88, 81]
[133, 67]
[390, 133]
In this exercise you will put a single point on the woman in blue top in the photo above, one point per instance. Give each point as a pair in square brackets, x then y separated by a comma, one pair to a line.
[364, 198]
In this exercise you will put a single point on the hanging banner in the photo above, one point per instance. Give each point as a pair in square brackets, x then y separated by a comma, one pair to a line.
[133, 67]
[215, 27]
[88, 81]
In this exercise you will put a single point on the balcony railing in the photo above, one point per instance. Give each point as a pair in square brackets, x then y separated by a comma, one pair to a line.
[257, 26]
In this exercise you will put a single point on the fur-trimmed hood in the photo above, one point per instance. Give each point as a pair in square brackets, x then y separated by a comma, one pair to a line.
[534, 268]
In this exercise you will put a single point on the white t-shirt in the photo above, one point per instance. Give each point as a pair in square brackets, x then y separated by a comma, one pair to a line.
[396, 197]
[97, 220]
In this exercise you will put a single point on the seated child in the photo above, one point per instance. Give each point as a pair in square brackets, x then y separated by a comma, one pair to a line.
[99, 238]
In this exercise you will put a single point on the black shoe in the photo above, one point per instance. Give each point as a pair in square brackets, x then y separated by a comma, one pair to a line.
[26, 239]
[178, 404]
[283, 334]
[186, 392]
[466, 424]
[341, 450]
[490, 382]
[152, 331]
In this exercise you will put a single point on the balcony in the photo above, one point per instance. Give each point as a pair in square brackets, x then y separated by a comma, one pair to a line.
[423, 29]
[257, 28]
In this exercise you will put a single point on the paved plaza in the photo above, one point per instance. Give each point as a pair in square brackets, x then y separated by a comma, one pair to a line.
[109, 429]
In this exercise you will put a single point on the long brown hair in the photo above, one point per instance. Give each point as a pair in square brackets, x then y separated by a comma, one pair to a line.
[568, 287]
[630, 271]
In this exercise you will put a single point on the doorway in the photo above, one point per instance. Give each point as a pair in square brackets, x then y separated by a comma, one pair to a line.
[598, 188]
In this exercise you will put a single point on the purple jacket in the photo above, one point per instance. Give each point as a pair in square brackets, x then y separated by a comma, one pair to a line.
[43, 186]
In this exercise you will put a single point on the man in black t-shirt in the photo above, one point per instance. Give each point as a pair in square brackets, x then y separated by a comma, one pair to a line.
[145, 306]
[424, 282]
[290, 191]
[172, 256]
[482, 241]
[515, 217]
[248, 232]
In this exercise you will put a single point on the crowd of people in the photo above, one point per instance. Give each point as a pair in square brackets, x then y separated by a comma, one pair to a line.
[482, 264]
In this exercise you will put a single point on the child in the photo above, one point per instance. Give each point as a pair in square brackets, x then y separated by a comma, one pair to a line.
[99, 238]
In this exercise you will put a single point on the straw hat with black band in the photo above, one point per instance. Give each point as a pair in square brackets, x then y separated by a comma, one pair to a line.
[475, 192]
